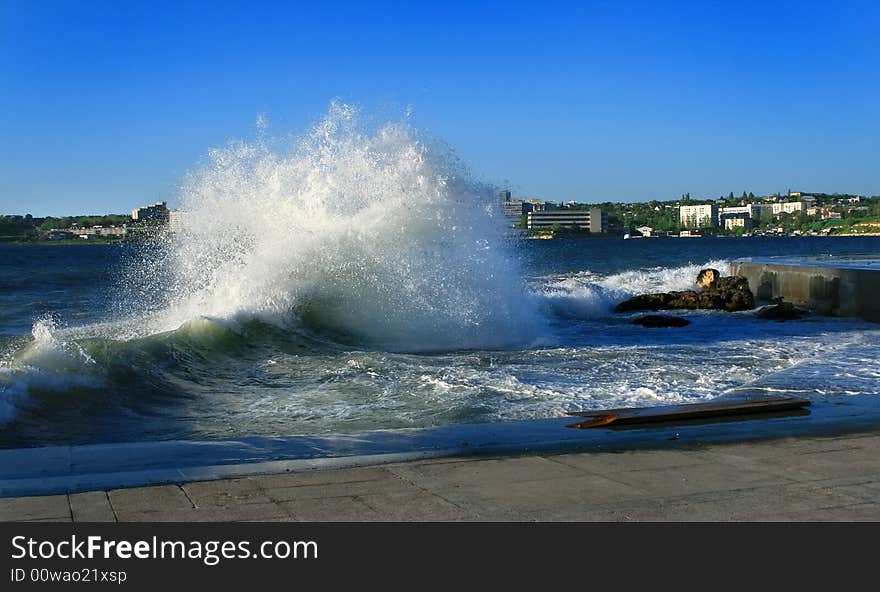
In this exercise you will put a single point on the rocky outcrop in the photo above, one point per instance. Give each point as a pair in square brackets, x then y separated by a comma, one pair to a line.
[660, 321]
[707, 277]
[729, 293]
[781, 311]
[660, 301]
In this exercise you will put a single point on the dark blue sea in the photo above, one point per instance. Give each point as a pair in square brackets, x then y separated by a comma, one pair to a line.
[107, 343]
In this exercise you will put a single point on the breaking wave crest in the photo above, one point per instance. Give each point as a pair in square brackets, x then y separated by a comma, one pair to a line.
[373, 237]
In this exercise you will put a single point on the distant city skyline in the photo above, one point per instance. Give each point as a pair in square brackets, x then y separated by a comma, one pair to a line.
[105, 107]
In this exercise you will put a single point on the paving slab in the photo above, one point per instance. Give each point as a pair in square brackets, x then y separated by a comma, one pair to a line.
[353, 475]
[631, 460]
[418, 506]
[534, 500]
[50, 507]
[91, 506]
[226, 493]
[391, 485]
[703, 478]
[869, 512]
[761, 503]
[473, 471]
[338, 509]
[149, 499]
[833, 463]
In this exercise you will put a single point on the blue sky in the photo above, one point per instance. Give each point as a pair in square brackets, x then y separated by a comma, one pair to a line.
[106, 105]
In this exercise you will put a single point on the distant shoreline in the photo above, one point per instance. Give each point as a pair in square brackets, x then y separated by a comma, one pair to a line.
[619, 237]
[63, 242]
[81, 242]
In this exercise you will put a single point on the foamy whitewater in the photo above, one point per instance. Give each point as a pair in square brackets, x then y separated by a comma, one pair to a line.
[370, 237]
[360, 278]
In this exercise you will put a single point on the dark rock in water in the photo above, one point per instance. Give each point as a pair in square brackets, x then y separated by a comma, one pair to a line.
[707, 277]
[658, 321]
[781, 311]
[645, 302]
[659, 301]
[737, 287]
[730, 293]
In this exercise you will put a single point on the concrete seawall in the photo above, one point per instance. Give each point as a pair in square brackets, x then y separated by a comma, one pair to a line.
[848, 290]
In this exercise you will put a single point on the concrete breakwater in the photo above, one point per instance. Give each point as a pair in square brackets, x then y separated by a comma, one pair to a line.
[847, 288]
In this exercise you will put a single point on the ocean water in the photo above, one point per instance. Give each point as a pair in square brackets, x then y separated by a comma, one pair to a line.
[360, 279]
[67, 374]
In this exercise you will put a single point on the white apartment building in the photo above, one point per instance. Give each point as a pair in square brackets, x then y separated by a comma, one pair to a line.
[753, 211]
[155, 212]
[787, 207]
[698, 216]
[733, 221]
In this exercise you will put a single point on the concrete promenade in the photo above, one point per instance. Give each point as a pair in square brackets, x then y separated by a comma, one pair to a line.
[793, 479]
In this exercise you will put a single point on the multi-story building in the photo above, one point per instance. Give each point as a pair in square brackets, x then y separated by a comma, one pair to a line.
[741, 216]
[594, 219]
[787, 207]
[155, 213]
[539, 205]
[698, 216]
[513, 208]
[734, 221]
[753, 211]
